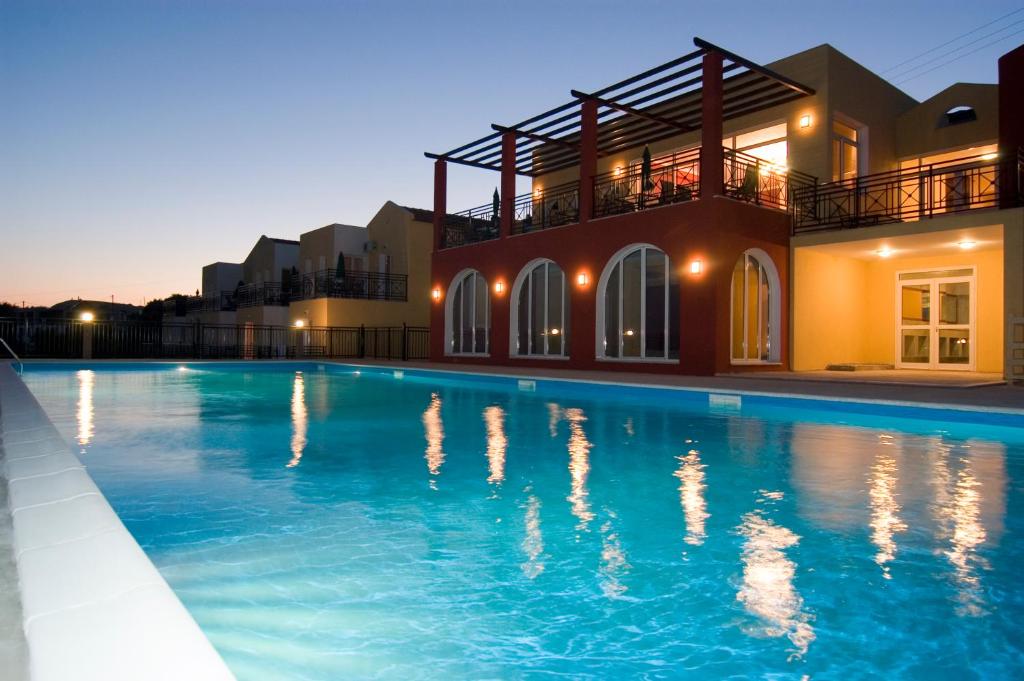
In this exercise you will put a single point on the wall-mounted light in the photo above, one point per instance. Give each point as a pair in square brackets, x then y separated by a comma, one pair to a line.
[967, 245]
[629, 332]
[696, 267]
[499, 287]
[436, 293]
[618, 171]
[299, 323]
[537, 191]
[86, 317]
[555, 332]
[884, 252]
[582, 279]
[990, 157]
[805, 121]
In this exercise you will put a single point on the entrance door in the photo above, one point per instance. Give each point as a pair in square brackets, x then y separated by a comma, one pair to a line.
[935, 317]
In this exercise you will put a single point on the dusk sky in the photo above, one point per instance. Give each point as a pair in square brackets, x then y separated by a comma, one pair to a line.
[142, 140]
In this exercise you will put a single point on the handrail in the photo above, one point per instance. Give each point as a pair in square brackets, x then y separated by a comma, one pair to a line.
[21, 365]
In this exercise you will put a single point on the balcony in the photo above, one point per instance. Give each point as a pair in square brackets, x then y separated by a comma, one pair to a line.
[546, 208]
[330, 283]
[754, 180]
[470, 227]
[959, 185]
[258, 295]
[222, 302]
[673, 179]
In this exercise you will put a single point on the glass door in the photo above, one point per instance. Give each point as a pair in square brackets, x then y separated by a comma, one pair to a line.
[935, 317]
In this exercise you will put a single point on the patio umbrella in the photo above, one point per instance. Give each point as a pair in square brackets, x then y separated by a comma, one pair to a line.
[645, 171]
[339, 272]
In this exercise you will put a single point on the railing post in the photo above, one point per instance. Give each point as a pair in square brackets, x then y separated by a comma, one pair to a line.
[362, 341]
[440, 200]
[588, 158]
[405, 334]
[508, 183]
[712, 159]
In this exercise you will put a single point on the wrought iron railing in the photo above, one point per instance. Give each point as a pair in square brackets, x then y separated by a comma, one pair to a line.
[760, 182]
[222, 302]
[673, 179]
[470, 226]
[267, 293]
[331, 283]
[547, 207]
[65, 338]
[969, 183]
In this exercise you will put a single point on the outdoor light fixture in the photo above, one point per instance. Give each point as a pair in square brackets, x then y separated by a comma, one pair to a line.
[499, 287]
[555, 332]
[805, 121]
[536, 192]
[86, 317]
[628, 332]
[990, 157]
[436, 294]
[299, 323]
[967, 245]
[696, 266]
[582, 279]
[884, 252]
[618, 170]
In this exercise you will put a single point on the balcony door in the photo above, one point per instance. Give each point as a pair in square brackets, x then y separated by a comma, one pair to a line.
[935, 314]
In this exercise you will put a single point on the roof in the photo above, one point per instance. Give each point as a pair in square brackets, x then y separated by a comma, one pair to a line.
[656, 104]
[420, 214]
[283, 241]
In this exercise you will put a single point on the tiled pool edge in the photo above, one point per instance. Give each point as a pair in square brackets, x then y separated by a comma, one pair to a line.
[94, 606]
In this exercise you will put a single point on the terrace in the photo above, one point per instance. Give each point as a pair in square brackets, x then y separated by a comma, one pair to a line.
[695, 92]
[908, 194]
[330, 283]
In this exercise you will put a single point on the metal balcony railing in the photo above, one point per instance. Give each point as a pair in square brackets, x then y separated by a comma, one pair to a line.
[267, 293]
[330, 283]
[225, 301]
[470, 226]
[547, 207]
[757, 181]
[673, 179]
[964, 184]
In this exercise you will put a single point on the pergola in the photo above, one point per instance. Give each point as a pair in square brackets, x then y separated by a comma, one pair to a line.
[697, 91]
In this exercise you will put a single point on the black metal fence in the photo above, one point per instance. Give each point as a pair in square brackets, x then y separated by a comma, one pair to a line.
[330, 283]
[673, 179]
[74, 339]
[547, 207]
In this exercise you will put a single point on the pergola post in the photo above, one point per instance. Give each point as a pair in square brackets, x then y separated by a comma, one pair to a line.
[588, 157]
[440, 200]
[712, 160]
[508, 181]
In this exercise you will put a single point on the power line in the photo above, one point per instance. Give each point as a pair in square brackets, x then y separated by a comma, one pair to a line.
[962, 47]
[966, 54]
[950, 42]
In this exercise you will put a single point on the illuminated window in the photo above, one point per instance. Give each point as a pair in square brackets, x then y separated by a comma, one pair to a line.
[469, 315]
[540, 318]
[845, 151]
[638, 313]
[755, 309]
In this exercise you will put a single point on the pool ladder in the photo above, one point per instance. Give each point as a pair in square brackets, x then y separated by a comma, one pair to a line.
[21, 365]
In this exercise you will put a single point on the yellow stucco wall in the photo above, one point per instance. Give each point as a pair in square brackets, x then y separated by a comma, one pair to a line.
[844, 308]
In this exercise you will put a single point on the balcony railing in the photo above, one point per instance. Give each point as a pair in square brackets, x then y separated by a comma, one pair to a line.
[760, 182]
[364, 285]
[470, 226]
[223, 302]
[549, 207]
[267, 293]
[673, 179]
[954, 186]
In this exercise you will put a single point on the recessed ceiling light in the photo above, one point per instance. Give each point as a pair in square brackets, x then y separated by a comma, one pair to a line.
[884, 252]
[967, 245]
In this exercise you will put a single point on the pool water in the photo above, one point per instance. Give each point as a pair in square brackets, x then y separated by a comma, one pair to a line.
[335, 524]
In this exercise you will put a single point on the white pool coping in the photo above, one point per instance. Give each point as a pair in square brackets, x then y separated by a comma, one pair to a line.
[94, 606]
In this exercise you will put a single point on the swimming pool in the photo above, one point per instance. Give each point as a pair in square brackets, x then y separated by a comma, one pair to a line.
[324, 522]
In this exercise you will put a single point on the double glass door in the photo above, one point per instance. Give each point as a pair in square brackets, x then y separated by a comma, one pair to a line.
[935, 316]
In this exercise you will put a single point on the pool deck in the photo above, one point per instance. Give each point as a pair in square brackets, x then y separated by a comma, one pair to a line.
[959, 392]
[83, 601]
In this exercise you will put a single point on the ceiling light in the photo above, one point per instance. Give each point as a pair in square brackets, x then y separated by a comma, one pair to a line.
[967, 245]
[884, 252]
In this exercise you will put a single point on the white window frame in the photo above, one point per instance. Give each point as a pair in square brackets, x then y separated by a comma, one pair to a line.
[449, 332]
[524, 278]
[771, 274]
[934, 364]
[599, 328]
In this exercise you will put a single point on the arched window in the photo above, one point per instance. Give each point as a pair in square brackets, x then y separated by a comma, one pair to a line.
[469, 315]
[638, 306]
[755, 309]
[540, 317]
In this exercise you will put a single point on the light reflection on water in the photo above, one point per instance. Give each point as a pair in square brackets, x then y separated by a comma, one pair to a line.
[86, 383]
[579, 466]
[885, 510]
[300, 420]
[533, 543]
[497, 442]
[691, 496]
[434, 431]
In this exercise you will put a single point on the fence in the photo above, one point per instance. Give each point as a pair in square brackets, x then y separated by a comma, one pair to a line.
[74, 339]
[1015, 349]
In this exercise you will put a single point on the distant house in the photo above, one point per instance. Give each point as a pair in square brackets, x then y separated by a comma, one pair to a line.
[100, 309]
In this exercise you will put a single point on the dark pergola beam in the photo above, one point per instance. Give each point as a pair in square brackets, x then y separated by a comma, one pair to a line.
[474, 164]
[626, 109]
[733, 57]
[535, 137]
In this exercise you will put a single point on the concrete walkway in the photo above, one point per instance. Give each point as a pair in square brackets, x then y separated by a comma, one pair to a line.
[1003, 397]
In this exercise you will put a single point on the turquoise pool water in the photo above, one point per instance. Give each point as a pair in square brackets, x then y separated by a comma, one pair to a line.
[327, 524]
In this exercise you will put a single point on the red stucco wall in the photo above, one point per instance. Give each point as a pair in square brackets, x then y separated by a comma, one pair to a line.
[716, 231]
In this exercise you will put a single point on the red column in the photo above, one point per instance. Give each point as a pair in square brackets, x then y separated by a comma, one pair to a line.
[588, 157]
[508, 182]
[440, 199]
[712, 175]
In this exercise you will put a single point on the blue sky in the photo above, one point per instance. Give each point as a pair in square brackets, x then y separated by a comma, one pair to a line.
[141, 140]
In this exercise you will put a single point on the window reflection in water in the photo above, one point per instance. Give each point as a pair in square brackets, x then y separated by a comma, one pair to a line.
[614, 565]
[86, 377]
[691, 496]
[434, 433]
[767, 591]
[579, 466]
[497, 444]
[885, 518]
[300, 420]
[533, 543]
[554, 416]
[628, 425]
